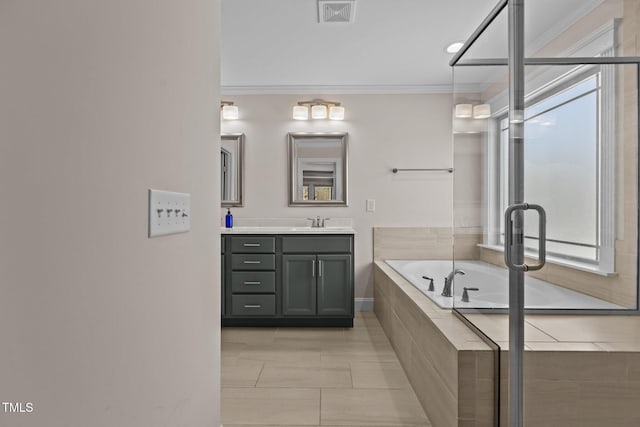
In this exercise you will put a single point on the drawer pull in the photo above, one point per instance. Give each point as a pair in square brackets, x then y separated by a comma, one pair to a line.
[251, 245]
[252, 306]
[252, 262]
[252, 283]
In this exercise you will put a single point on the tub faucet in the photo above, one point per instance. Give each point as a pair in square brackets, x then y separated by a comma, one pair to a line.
[448, 281]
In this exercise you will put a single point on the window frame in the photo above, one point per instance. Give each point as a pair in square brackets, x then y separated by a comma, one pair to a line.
[604, 261]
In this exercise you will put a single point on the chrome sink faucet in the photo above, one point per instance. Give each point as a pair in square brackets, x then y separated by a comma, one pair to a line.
[448, 281]
[318, 222]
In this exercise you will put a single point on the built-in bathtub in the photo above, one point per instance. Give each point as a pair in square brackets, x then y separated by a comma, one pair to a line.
[492, 282]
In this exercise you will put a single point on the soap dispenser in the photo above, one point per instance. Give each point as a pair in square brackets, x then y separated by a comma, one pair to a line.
[228, 219]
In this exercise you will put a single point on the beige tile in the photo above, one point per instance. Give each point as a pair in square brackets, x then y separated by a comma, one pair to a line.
[367, 335]
[333, 334]
[412, 243]
[589, 328]
[236, 372]
[371, 408]
[547, 401]
[360, 351]
[278, 353]
[608, 399]
[248, 335]
[305, 374]
[575, 366]
[619, 346]
[563, 346]
[231, 349]
[400, 340]
[497, 328]
[434, 394]
[276, 406]
[385, 375]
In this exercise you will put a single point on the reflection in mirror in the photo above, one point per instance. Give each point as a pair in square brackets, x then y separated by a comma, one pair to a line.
[231, 167]
[318, 169]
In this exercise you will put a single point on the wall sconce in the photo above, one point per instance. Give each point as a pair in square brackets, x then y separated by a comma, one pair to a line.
[466, 111]
[229, 111]
[320, 109]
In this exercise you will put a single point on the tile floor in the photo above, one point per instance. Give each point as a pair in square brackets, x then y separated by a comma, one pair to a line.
[315, 377]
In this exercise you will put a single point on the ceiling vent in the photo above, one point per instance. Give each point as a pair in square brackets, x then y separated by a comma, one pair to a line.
[336, 11]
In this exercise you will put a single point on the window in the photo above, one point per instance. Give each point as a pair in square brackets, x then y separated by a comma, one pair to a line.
[563, 170]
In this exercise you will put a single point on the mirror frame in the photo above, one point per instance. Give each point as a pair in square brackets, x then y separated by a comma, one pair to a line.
[239, 139]
[292, 137]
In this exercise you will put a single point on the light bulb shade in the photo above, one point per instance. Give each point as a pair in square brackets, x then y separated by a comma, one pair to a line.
[301, 112]
[336, 113]
[482, 111]
[464, 111]
[319, 112]
[230, 112]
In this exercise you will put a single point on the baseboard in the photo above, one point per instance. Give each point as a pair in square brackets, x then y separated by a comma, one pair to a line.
[363, 304]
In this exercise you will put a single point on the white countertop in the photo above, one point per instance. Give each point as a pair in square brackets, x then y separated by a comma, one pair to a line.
[288, 230]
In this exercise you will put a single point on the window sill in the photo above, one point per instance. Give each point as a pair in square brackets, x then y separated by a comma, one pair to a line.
[576, 265]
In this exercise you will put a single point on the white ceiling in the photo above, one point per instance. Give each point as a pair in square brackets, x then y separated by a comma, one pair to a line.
[277, 46]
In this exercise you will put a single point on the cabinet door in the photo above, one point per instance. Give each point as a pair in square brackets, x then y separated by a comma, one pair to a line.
[299, 285]
[222, 285]
[335, 285]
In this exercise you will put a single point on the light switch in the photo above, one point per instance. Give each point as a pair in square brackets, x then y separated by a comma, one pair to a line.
[371, 205]
[169, 212]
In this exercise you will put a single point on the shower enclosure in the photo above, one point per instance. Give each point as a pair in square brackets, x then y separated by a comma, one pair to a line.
[545, 146]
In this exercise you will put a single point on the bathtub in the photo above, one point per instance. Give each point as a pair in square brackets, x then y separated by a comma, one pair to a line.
[493, 284]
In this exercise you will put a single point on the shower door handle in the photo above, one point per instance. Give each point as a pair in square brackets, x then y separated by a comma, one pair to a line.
[508, 237]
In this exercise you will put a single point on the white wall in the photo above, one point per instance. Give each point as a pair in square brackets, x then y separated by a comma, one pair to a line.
[386, 131]
[99, 101]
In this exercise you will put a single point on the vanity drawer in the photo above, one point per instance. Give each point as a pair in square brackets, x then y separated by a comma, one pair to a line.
[253, 245]
[253, 281]
[253, 262]
[253, 305]
[317, 244]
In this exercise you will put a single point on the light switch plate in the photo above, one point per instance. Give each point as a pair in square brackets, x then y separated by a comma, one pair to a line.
[169, 212]
[371, 205]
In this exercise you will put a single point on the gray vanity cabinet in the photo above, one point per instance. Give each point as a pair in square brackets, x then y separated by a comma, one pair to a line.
[299, 286]
[295, 280]
[318, 275]
[335, 290]
[316, 285]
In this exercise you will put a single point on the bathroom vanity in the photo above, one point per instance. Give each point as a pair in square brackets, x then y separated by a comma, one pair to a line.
[287, 276]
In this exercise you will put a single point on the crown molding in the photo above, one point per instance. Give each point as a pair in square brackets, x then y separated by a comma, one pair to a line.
[345, 89]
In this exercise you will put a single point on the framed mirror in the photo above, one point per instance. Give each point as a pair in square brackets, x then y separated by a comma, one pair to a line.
[318, 169]
[232, 169]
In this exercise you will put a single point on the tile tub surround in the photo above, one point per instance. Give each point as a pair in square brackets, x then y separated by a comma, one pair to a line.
[449, 366]
[424, 243]
[315, 377]
[580, 370]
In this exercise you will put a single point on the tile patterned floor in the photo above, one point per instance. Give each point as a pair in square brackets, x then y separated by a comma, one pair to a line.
[315, 377]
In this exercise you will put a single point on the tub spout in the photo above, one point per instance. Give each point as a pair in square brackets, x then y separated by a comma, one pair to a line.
[448, 281]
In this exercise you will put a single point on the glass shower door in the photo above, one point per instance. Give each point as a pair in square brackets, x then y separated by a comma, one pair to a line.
[546, 179]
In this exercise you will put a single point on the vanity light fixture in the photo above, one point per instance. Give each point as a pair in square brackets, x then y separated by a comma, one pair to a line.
[482, 111]
[320, 109]
[301, 112]
[464, 111]
[229, 111]
[318, 112]
[467, 111]
[336, 113]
